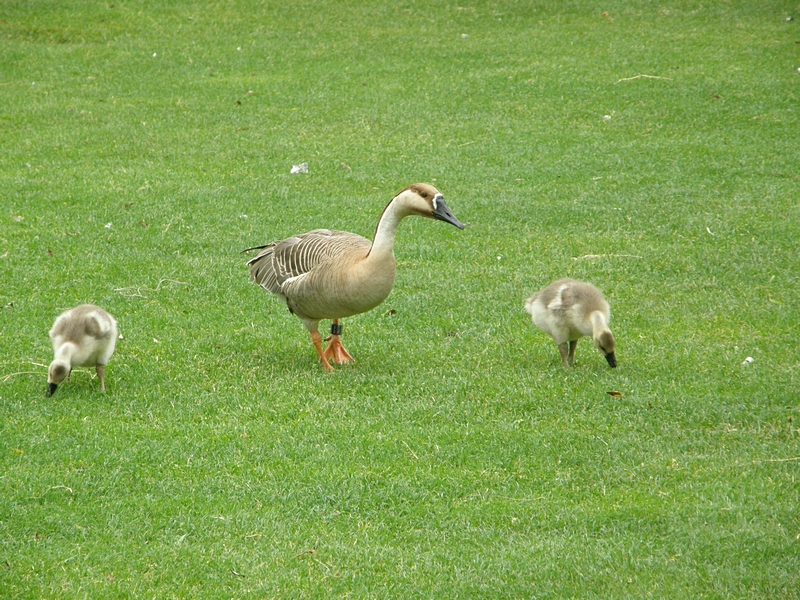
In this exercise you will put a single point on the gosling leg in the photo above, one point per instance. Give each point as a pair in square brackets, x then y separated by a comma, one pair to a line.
[101, 375]
[572, 345]
[563, 350]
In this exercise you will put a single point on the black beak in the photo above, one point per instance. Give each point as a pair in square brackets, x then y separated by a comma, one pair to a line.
[612, 360]
[51, 389]
[443, 213]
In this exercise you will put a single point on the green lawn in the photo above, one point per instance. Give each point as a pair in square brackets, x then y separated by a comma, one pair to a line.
[649, 148]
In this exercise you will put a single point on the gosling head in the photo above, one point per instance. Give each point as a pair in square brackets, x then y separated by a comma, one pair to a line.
[57, 372]
[604, 342]
[426, 201]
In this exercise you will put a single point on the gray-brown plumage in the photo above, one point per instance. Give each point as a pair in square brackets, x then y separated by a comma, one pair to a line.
[82, 337]
[569, 310]
[326, 274]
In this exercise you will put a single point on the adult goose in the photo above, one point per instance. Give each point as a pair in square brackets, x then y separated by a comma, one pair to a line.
[82, 337]
[325, 274]
[569, 310]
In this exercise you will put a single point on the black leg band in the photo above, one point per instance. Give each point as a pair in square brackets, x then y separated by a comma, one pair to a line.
[336, 329]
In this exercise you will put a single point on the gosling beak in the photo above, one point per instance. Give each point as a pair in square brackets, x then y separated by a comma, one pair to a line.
[51, 389]
[441, 212]
[612, 360]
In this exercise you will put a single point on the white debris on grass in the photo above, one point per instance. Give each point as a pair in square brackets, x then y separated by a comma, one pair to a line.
[301, 168]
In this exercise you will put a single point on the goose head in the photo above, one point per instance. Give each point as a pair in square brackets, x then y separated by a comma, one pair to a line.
[57, 372]
[604, 342]
[425, 200]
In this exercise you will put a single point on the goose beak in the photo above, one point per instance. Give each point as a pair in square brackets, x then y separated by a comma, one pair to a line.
[442, 213]
[612, 360]
[51, 389]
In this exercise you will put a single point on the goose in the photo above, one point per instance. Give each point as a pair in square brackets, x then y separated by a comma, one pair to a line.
[569, 310]
[325, 274]
[84, 336]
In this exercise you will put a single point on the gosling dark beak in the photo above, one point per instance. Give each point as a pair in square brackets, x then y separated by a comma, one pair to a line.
[51, 389]
[612, 360]
[443, 213]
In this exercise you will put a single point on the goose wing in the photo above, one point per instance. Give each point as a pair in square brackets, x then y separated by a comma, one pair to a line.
[296, 256]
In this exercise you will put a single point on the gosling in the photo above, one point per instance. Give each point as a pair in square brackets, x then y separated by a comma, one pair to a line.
[82, 337]
[569, 310]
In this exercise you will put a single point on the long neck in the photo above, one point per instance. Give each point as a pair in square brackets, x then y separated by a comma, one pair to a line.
[383, 243]
[599, 323]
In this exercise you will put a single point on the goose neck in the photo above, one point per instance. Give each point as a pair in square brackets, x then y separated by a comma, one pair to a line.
[383, 242]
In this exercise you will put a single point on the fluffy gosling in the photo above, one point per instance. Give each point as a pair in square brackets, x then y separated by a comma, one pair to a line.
[82, 337]
[569, 310]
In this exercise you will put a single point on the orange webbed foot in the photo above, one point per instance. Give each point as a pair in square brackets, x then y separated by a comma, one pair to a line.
[336, 351]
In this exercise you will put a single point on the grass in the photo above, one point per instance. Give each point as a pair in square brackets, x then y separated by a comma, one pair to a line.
[144, 146]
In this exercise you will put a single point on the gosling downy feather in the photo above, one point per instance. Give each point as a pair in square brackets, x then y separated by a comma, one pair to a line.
[569, 310]
[82, 337]
[325, 274]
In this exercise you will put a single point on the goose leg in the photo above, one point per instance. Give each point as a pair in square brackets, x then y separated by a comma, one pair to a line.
[101, 375]
[316, 339]
[335, 349]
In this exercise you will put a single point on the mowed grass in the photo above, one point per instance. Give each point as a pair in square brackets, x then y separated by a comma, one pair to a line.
[651, 149]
